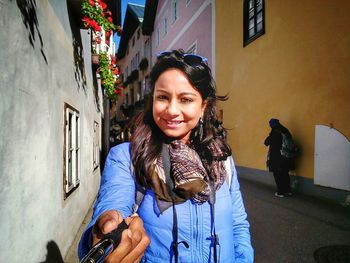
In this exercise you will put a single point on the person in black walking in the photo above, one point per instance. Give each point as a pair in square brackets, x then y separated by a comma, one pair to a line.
[277, 163]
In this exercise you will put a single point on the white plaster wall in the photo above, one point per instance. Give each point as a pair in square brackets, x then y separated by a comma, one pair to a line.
[32, 96]
[332, 158]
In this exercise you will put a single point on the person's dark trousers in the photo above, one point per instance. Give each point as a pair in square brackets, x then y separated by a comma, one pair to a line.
[282, 180]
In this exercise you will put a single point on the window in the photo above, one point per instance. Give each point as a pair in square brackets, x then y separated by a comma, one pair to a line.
[165, 26]
[147, 48]
[137, 58]
[157, 37]
[133, 64]
[139, 91]
[133, 41]
[96, 145]
[188, 2]
[127, 99]
[132, 94]
[71, 172]
[254, 20]
[174, 10]
[138, 33]
[146, 86]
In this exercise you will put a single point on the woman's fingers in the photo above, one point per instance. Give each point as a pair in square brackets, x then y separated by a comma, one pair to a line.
[107, 222]
[136, 254]
[140, 239]
[122, 250]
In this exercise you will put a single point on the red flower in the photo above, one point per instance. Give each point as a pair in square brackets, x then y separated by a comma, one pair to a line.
[116, 71]
[103, 5]
[110, 19]
[92, 2]
[86, 20]
[109, 13]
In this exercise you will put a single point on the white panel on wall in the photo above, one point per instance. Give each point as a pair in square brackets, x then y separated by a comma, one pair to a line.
[332, 158]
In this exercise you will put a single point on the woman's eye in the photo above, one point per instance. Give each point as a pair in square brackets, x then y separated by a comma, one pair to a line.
[161, 97]
[186, 100]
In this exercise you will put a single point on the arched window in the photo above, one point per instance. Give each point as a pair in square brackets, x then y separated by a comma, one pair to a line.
[254, 20]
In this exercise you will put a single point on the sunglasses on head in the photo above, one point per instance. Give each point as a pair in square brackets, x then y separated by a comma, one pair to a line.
[190, 59]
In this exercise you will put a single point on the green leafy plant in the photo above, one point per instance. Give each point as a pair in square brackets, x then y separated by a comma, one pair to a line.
[109, 74]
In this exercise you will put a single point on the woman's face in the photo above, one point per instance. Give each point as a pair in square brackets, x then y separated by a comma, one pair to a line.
[177, 105]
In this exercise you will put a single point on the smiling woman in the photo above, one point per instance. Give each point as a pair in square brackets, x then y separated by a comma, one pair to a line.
[176, 159]
[177, 105]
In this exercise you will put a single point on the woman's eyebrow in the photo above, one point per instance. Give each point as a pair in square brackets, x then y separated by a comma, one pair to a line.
[185, 93]
[188, 93]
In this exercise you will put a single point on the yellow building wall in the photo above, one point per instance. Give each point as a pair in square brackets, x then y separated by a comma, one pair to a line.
[298, 72]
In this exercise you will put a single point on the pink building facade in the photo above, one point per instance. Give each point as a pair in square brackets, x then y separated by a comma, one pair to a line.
[186, 24]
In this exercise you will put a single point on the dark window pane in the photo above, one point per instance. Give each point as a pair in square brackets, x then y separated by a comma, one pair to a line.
[251, 24]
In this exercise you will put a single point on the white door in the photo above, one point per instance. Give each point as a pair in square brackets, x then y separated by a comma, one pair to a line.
[332, 158]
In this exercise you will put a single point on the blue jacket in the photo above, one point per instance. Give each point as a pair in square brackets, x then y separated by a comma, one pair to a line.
[117, 192]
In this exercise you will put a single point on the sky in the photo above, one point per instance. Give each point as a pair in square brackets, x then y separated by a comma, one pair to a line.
[124, 4]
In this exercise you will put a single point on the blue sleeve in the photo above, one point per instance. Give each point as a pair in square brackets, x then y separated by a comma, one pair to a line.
[117, 191]
[244, 252]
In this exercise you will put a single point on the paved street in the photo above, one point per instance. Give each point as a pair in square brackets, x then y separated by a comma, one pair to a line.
[290, 229]
[284, 230]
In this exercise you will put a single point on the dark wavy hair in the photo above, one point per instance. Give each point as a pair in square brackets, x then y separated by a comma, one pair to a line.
[147, 138]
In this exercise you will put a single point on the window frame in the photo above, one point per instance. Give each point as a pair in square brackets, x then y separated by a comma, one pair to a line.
[96, 145]
[158, 37]
[165, 21]
[174, 11]
[71, 171]
[246, 10]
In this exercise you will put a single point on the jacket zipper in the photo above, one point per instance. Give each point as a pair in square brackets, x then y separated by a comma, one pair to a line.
[199, 233]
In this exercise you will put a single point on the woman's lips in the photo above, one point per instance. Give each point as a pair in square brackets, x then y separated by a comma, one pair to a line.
[172, 124]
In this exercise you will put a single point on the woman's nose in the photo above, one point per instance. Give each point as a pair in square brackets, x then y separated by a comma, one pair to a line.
[173, 108]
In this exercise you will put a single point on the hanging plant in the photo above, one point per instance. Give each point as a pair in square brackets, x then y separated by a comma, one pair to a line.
[109, 74]
[96, 15]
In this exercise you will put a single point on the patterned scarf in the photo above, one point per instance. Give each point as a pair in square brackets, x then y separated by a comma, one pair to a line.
[191, 180]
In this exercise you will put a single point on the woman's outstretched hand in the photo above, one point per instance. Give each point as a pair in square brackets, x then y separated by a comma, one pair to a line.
[134, 240]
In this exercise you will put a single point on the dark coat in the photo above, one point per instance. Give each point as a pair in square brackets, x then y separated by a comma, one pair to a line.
[275, 160]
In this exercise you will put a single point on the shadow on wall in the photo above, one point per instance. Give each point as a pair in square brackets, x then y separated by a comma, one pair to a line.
[53, 253]
[30, 20]
[79, 72]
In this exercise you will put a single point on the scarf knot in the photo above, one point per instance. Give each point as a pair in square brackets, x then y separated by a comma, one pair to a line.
[189, 175]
